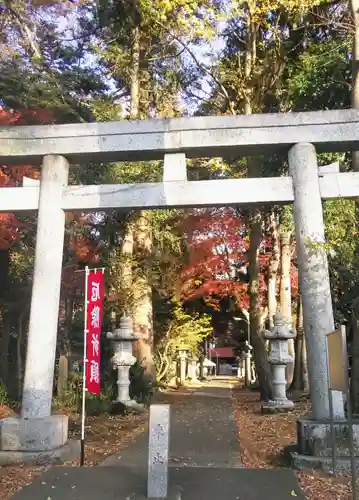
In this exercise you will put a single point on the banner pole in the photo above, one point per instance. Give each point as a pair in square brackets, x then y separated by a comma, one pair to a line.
[83, 411]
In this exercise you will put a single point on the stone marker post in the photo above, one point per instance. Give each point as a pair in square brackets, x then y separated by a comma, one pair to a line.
[122, 360]
[279, 358]
[158, 446]
[314, 276]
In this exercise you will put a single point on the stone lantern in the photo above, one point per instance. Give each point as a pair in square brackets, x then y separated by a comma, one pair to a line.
[182, 357]
[278, 358]
[247, 357]
[122, 339]
[192, 369]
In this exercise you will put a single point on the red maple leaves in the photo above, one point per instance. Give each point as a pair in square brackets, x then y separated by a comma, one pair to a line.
[11, 227]
[218, 241]
[12, 176]
[218, 245]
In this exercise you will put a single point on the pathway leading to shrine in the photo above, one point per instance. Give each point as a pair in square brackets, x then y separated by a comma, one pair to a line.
[204, 459]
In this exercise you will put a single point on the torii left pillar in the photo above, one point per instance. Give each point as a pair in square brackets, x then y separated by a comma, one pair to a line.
[37, 434]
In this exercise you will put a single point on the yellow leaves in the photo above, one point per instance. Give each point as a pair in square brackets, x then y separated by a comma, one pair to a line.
[293, 494]
[186, 329]
[178, 16]
[258, 9]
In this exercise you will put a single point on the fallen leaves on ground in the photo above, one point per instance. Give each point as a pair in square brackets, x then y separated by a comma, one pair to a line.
[105, 435]
[263, 438]
[14, 478]
[5, 411]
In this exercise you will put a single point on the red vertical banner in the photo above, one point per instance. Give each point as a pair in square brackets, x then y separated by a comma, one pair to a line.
[95, 292]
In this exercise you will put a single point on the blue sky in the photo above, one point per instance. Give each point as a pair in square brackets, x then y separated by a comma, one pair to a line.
[67, 24]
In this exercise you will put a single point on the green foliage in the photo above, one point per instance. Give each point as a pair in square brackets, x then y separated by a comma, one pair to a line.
[340, 227]
[72, 397]
[320, 77]
[286, 219]
[183, 329]
[141, 388]
[4, 397]
[99, 404]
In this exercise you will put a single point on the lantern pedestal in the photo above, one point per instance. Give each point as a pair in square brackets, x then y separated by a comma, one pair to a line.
[122, 339]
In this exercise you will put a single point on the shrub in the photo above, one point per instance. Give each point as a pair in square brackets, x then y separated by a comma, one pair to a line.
[96, 404]
[4, 397]
[141, 388]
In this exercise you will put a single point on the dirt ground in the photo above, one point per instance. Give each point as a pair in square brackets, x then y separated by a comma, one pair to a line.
[105, 435]
[262, 440]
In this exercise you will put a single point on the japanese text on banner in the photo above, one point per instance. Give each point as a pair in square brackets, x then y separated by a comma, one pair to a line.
[94, 324]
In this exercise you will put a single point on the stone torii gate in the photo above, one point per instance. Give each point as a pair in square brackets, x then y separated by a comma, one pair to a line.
[172, 140]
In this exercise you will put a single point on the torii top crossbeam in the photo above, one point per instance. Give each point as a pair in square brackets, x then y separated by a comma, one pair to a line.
[209, 136]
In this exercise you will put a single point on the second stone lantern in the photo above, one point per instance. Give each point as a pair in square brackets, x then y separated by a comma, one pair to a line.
[122, 339]
[278, 358]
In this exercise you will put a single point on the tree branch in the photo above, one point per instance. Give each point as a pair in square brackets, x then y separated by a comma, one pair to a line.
[202, 66]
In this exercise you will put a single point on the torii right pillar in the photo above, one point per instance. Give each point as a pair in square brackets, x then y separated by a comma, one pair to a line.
[314, 276]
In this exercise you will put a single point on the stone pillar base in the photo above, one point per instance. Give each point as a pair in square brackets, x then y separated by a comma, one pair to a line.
[70, 451]
[277, 406]
[36, 440]
[314, 437]
[314, 446]
[33, 434]
[298, 461]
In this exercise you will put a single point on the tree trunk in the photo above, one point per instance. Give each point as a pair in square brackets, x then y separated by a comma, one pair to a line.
[255, 312]
[286, 296]
[305, 376]
[125, 287]
[142, 291]
[126, 270]
[135, 74]
[4, 272]
[354, 6]
[300, 379]
[298, 367]
[143, 296]
[354, 379]
[285, 285]
[63, 375]
[19, 363]
[273, 270]
[65, 346]
[5, 339]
